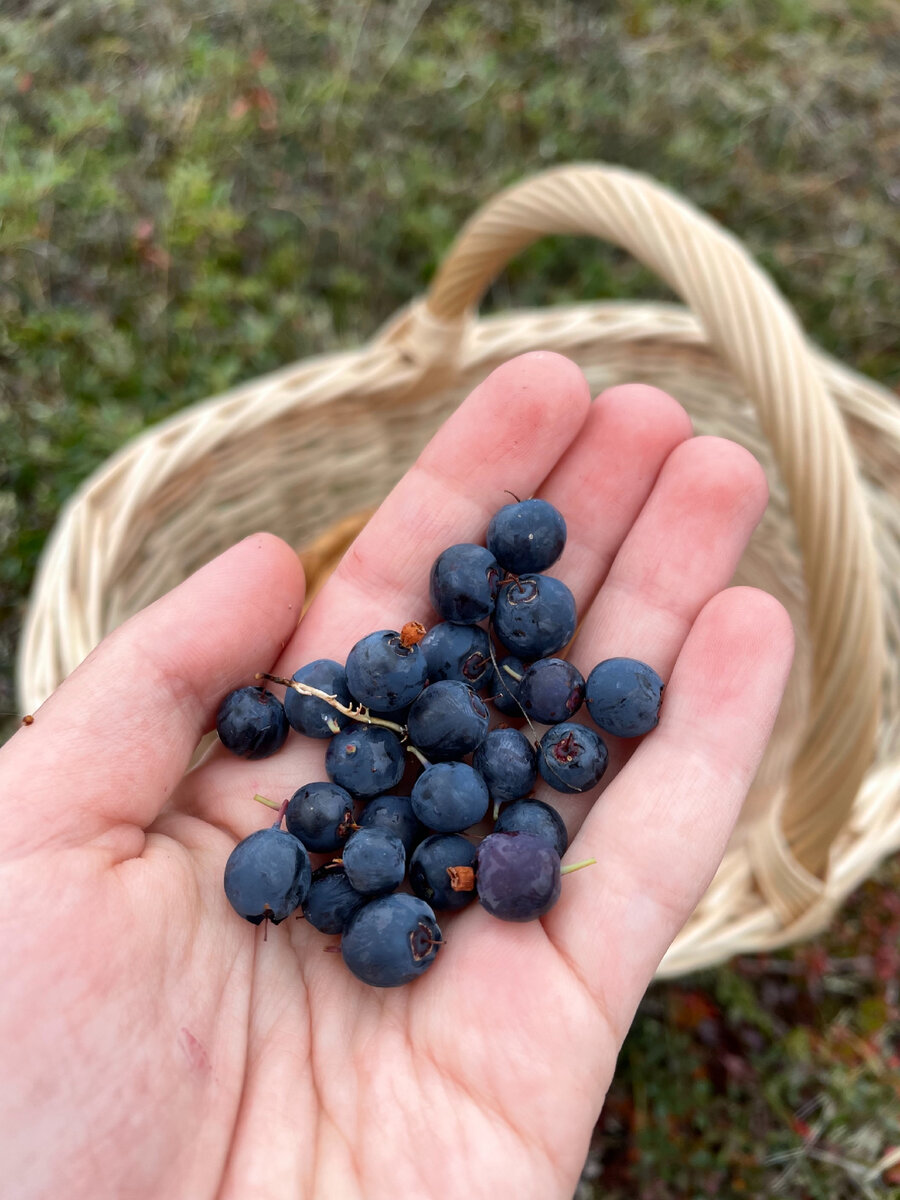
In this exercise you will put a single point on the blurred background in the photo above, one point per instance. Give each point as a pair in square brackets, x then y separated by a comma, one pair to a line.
[192, 194]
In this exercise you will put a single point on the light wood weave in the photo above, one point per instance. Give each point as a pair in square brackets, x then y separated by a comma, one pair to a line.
[302, 451]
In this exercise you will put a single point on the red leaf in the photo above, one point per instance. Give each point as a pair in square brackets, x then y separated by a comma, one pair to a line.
[688, 1010]
[801, 1128]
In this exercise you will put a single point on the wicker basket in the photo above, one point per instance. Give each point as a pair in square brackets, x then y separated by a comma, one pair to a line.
[825, 807]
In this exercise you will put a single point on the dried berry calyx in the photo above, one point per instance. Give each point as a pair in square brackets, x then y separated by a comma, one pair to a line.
[412, 633]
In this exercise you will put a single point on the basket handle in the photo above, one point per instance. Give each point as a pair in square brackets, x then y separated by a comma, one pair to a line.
[752, 328]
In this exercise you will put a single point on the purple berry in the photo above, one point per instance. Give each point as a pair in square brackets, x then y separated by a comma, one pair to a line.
[517, 876]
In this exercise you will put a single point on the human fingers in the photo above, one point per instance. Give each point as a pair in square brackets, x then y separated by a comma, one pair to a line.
[604, 479]
[508, 433]
[107, 748]
[659, 830]
[683, 548]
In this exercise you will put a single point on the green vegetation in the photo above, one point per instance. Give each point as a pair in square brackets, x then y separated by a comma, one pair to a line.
[192, 194]
[773, 1076]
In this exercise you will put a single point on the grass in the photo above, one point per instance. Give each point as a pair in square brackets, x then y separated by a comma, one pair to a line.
[193, 194]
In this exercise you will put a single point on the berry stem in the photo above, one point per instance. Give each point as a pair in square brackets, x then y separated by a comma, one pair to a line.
[268, 803]
[587, 862]
[355, 714]
[416, 753]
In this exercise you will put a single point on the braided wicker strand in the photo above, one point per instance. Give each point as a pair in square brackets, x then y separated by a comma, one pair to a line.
[752, 329]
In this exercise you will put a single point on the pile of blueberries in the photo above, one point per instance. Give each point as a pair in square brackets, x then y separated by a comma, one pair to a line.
[416, 694]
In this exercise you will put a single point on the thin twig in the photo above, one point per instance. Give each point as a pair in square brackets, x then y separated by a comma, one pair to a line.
[355, 714]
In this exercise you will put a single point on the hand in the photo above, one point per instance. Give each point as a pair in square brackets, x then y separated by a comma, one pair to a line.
[156, 1045]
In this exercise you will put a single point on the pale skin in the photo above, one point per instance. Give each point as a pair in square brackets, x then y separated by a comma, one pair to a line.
[156, 1046]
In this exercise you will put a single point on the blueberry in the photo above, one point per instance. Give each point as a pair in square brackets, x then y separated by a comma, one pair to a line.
[384, 673]
[320, 815]
[397, 715]
[464, 582]
[449, 797]
[552, 690]
[448, 720]
[267, 876]
[309, 716]
[366, 760]
[506, 682]
[571, 757]
[507, 762]
[395, 814]
[460, 652]
[534, 816]
[534, 615]
[391, 940]
[434, 867]
[332, 899]
[527, 536]
[623, 696]
[517, 876]
[251, 722]
[375, 861]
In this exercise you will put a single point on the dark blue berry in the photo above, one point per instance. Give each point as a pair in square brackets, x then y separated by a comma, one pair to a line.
[571, 757]
[395, 814]
[534, 615]
[384, 673]
[367, 760]
[460, 652]
[398, 715]
[251, 722]
[552, 690]
[506, 760]
[527, 536]
[391, 940]
[517, 876]
[433, 870]
[449, 797]
[309, 716]
[534, 816]
[505, 684]
[320, 815]
[267, 876]
[375, 861]
[464, 582]
[448, 720]
[332, 900]
[623, 696]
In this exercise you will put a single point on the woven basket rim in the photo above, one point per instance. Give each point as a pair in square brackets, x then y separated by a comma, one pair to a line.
[425, 348]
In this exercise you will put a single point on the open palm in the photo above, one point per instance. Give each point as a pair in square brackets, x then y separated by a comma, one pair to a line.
[155, 1045]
